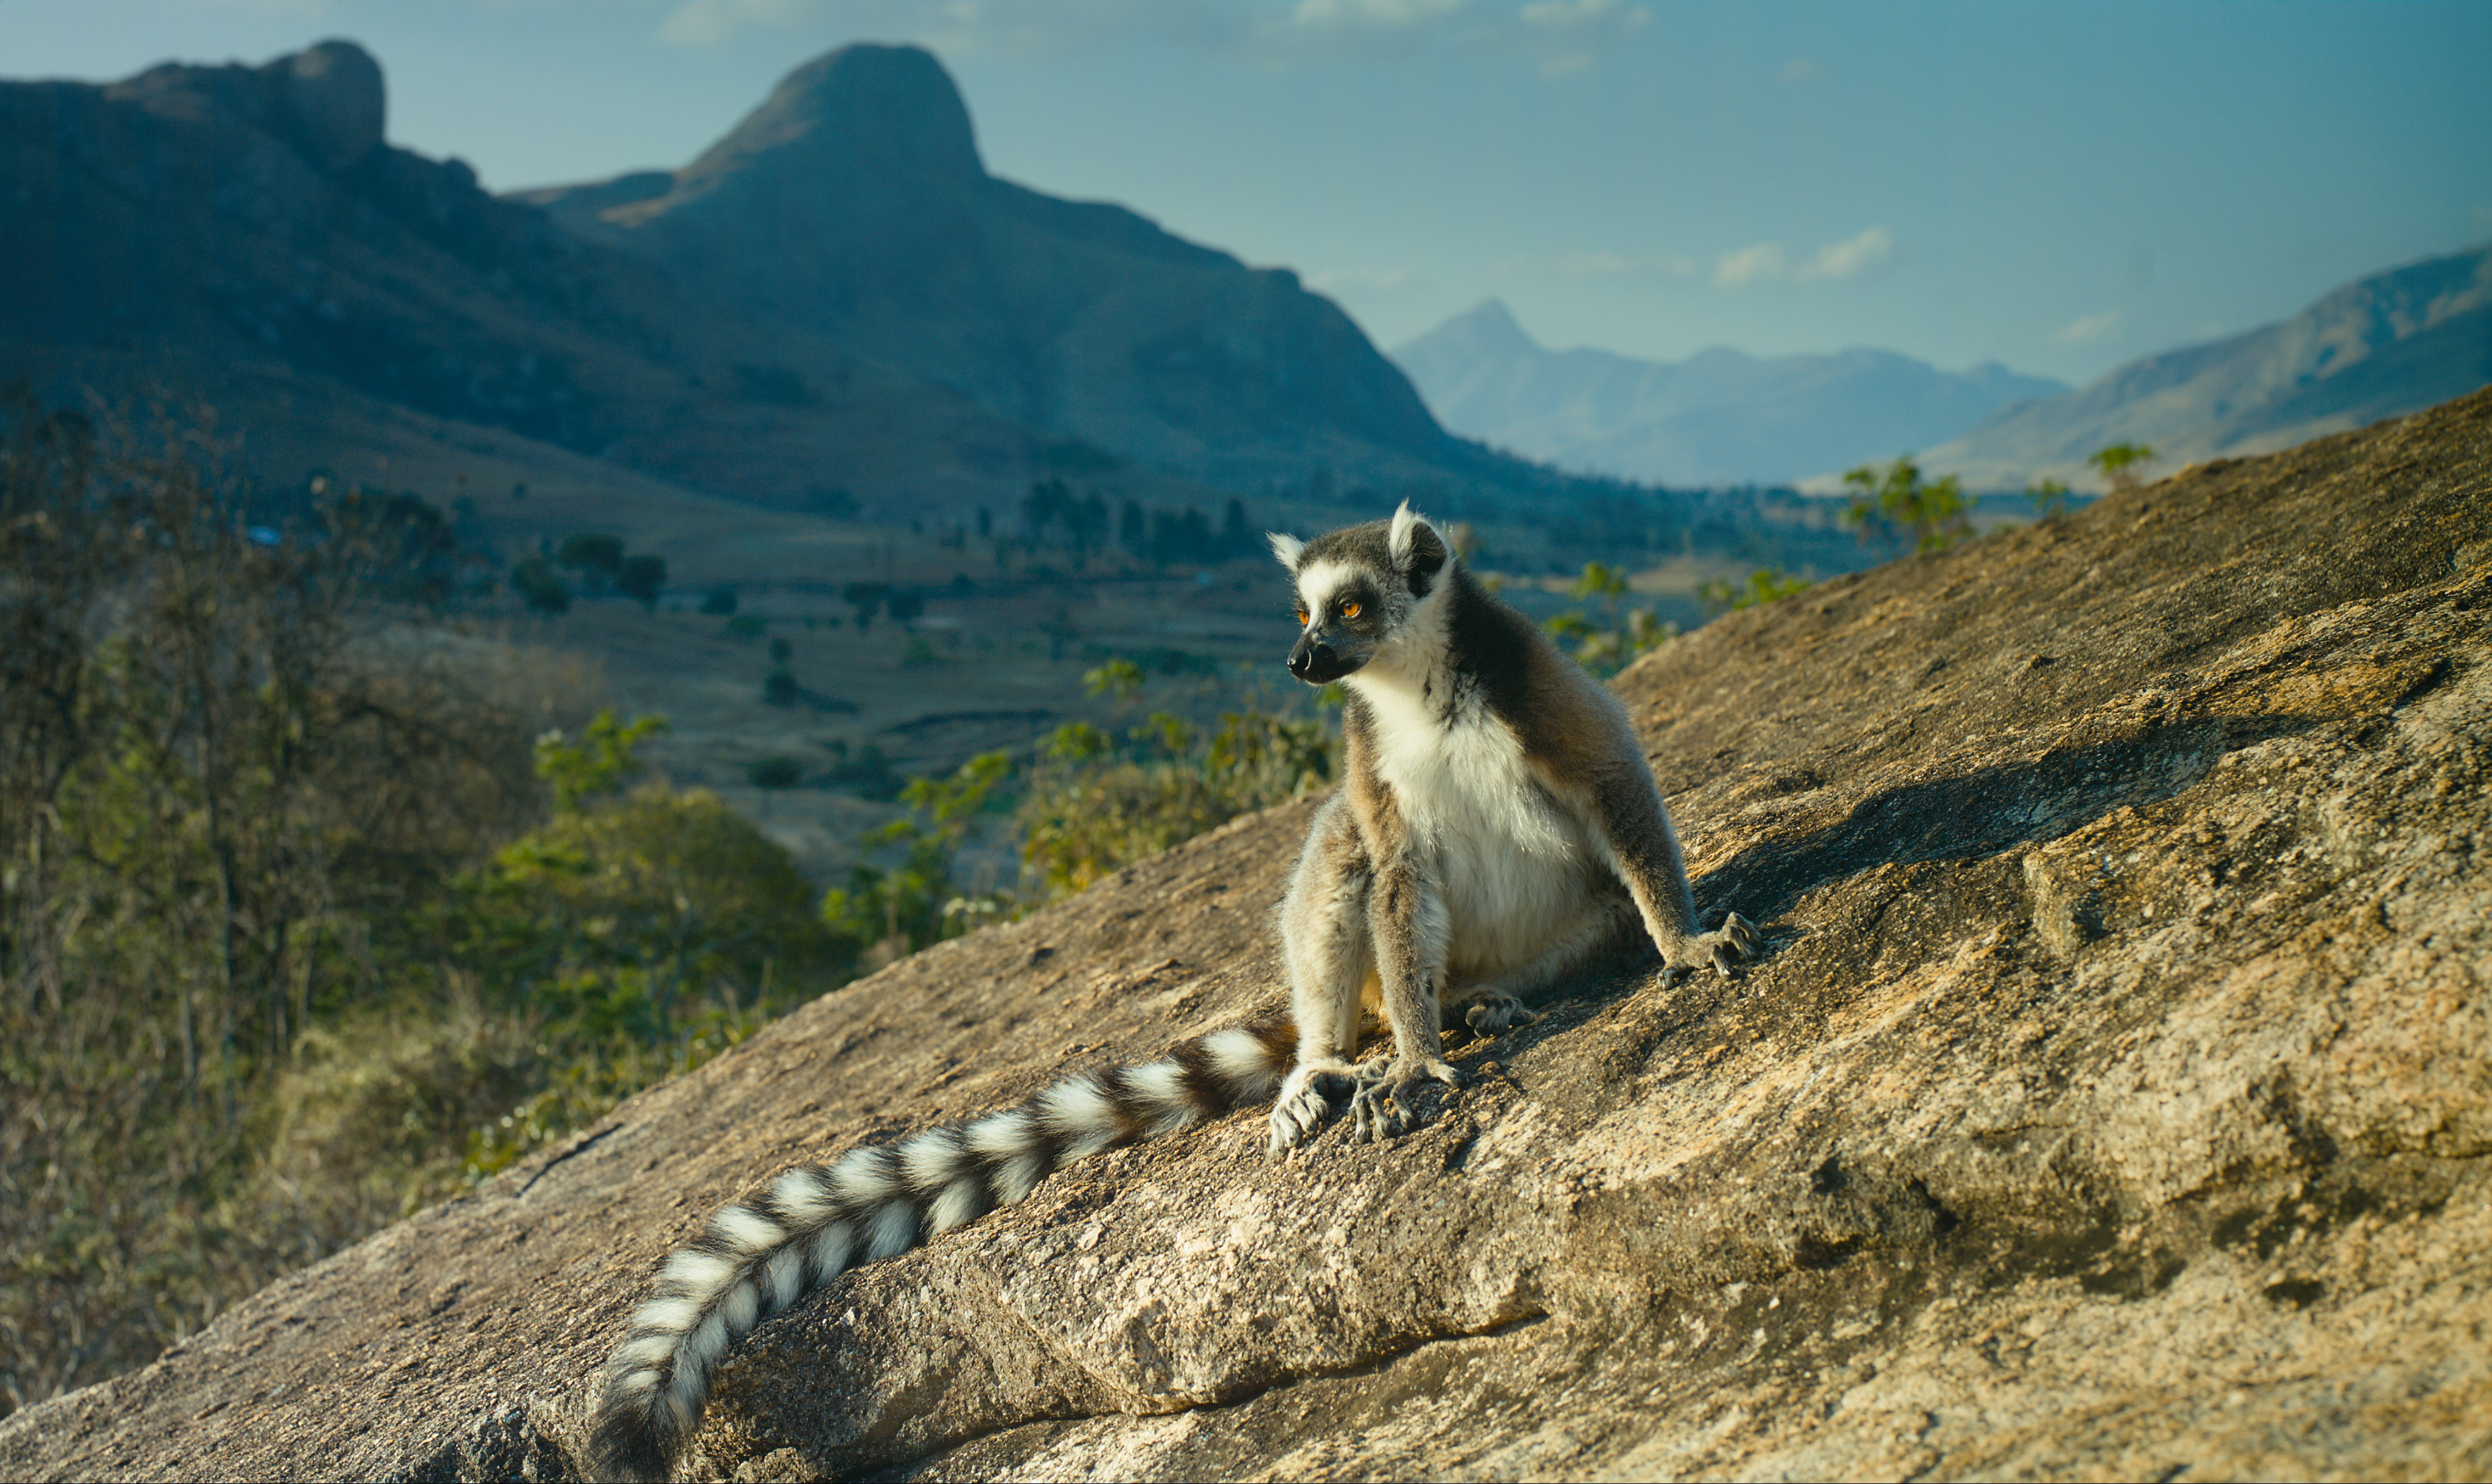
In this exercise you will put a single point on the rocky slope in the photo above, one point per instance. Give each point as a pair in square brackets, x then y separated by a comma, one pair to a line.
[852, 202]
[2378, 347]
[2113, 1100]
[1717, 419]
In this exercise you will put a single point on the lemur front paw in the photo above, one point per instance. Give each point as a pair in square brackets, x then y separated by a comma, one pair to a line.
[1489, 1014]
[1723, 948]
[1384, 1096]
[1306, 1097]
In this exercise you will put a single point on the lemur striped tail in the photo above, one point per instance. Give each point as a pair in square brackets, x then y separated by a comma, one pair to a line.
[817, 1221]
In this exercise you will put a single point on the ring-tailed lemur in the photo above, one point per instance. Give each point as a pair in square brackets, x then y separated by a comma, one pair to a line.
[1496, 825]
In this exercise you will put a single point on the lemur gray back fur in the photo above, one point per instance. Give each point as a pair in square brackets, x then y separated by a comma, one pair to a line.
[1496, 826]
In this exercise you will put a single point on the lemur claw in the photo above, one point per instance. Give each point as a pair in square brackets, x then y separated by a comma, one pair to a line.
[1299, 1110]
[1724, 947]
[1489, 1014]
[1383, 1098]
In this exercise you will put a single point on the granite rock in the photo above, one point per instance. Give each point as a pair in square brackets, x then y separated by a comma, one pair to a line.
[2112, 1101]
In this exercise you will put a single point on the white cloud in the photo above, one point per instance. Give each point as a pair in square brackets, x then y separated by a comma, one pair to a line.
[1850, 257]
[1770, 262]
[1761, 263]
[1372, 15]
[1584, 14]
[2087, 328]
[708, 22]
[1557, 37]
[1610, 265]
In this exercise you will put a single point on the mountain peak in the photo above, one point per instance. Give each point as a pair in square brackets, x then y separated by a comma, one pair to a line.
[863, 107]
[1487, 329]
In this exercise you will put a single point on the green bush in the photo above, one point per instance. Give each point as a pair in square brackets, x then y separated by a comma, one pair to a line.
[641, 578]
[1093, 807]
[540, 587]
[1896, 504]
[1765, 585]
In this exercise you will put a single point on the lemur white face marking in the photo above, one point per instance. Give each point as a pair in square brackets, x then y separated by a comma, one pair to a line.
[1318, 584]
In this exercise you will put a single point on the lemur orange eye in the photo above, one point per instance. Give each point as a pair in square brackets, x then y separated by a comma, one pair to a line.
[1349, 610]
[1302, 618]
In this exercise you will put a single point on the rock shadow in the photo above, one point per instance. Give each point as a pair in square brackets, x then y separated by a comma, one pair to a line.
[1977, 815]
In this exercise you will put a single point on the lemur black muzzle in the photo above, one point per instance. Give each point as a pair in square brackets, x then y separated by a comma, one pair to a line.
[1318, 663]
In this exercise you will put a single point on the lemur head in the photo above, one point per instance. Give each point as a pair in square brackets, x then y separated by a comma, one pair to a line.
[1356, 588]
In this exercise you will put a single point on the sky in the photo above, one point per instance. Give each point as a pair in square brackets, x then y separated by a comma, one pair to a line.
[2059, 186]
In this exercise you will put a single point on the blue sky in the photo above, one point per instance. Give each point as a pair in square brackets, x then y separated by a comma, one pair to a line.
[2060, 187]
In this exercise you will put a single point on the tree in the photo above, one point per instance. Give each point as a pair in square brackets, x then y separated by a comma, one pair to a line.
[719, 601]
[1765, 585]
[1131, 532]
[538, 587]
[865, 597]
[604, 759]
[597, 558]
[642, 577]
[1117, 678]
[1047, 500]
[905, 607]
[780, 687]
[1897, 503]
[2050, 498]
[773, 774]
[1603, 583]
[2123, 464]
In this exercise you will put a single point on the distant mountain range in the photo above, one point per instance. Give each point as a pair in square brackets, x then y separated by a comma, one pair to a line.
[1719, 418]
[834, 302]
[2393, 343]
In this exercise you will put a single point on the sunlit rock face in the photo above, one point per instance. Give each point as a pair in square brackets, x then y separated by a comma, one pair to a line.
[2111, 1098]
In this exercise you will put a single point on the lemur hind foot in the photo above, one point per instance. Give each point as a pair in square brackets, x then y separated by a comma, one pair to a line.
[1734, 942]
[1384, 1096]
[1491, 1014]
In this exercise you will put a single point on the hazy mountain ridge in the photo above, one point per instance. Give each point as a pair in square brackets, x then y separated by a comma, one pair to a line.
[1080, 319]
[835, 298]
[237, 217]
[1718, 418]
[2378, 347]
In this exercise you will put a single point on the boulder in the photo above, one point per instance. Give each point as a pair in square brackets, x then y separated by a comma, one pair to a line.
[337, 102]
[2112, 1101]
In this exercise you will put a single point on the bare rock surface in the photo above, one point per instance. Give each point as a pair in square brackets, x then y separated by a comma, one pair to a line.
[2113, 1100]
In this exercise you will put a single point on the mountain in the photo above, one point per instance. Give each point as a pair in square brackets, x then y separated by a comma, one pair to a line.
[1718, 418]
[854, 204]
[837, 300]
[2378, 347]
[226, 230]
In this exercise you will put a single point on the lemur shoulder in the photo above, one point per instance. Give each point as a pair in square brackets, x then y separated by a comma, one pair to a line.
[1496, 825]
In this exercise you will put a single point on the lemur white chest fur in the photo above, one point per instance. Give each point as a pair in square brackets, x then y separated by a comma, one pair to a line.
[1513, 868]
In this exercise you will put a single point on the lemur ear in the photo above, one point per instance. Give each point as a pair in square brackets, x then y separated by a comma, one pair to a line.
[1286, 547]
[1415, 547]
